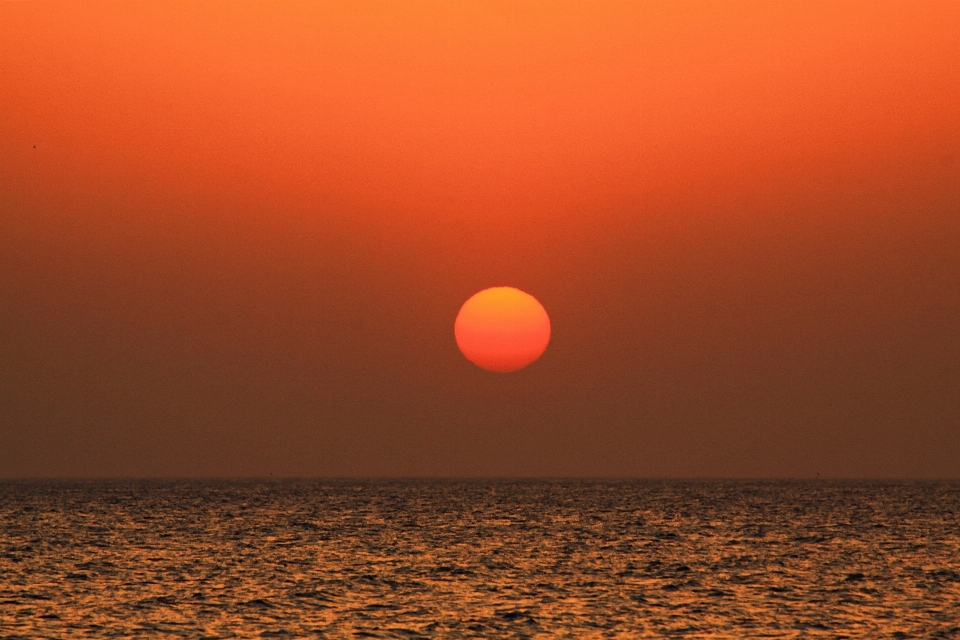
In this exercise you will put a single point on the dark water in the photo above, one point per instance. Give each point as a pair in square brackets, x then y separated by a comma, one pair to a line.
[480, 559]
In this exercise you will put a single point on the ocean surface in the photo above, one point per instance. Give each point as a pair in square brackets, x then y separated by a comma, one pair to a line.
[454, 559]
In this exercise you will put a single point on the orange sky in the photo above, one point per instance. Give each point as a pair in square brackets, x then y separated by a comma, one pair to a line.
[234, 237]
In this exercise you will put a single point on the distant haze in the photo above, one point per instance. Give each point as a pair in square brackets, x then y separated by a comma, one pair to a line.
[234, 237]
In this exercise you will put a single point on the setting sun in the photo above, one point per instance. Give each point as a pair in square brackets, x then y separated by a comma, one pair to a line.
[502, 329]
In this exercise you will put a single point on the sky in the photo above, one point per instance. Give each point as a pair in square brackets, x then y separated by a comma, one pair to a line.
[235, 236]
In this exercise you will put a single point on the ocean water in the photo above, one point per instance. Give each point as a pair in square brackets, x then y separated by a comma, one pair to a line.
[453, 559]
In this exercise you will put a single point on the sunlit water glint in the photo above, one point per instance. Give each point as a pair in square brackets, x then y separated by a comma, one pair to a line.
[448, 559]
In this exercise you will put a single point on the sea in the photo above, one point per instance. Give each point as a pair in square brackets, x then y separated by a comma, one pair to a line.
[479, 559]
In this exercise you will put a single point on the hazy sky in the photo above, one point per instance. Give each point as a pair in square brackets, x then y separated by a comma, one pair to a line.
[234, 237]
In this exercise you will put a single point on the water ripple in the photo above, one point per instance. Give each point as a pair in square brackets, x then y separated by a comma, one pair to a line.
[449, 559]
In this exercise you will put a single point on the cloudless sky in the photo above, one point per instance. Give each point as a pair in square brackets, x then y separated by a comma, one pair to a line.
[234, 237]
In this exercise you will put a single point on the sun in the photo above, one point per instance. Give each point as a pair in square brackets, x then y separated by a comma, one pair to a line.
[502, 329]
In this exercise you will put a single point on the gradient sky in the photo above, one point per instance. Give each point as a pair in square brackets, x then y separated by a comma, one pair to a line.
[234, 237]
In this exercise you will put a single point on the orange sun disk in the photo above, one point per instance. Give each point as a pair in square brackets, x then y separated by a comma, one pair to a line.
[502, 329]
